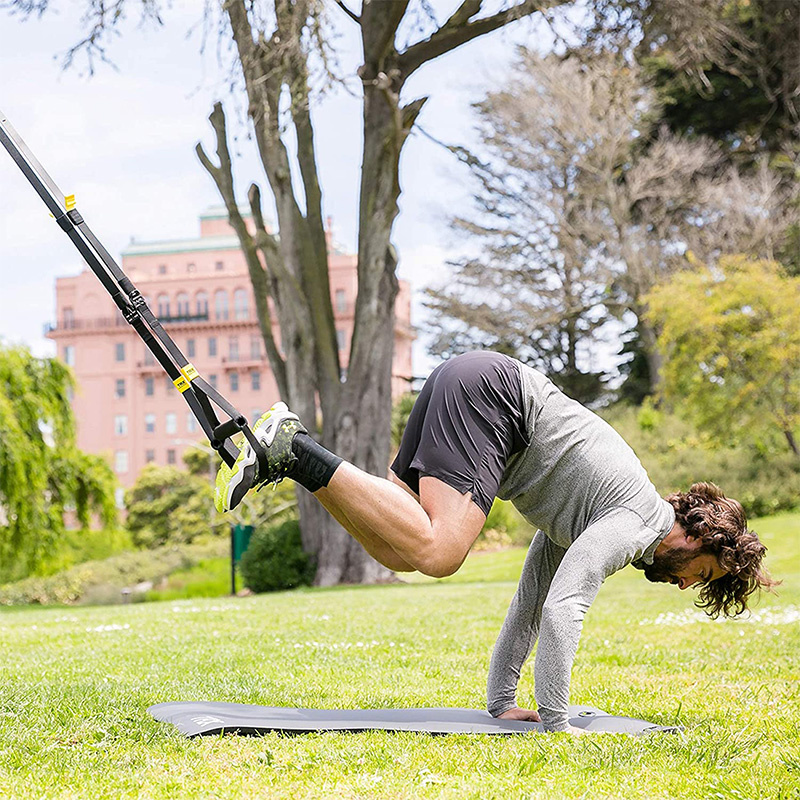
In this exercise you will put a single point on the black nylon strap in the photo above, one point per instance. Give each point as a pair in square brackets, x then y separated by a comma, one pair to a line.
[199, 394]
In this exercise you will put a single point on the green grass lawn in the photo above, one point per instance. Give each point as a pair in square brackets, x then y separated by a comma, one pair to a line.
[76, 683]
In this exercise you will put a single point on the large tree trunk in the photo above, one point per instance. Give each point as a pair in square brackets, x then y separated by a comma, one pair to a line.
[361, 428]
[293, 268]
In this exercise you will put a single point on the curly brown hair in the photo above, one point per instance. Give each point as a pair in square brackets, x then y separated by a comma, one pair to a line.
[706, 513]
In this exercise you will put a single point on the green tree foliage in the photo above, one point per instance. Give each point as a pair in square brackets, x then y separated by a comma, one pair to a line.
[42, 472]
[167, 505]
[676, 454]
[731, 341]
[741, 90]
[401, 411]
[726, 70]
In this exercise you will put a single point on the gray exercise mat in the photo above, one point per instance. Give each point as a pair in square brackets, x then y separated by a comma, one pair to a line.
[204, 719]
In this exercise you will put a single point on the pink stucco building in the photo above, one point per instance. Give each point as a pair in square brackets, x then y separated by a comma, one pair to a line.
[125, 405]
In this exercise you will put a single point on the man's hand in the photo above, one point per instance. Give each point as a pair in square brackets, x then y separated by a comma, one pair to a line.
[521, 713]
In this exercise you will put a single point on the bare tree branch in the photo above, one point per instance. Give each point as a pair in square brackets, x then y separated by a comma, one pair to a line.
[459, 30]
[353, 16]
[222, 176]
[379, 24]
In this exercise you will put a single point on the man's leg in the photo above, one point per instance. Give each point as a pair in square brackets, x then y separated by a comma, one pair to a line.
[467, 421]
[369, 540]
[432, 536]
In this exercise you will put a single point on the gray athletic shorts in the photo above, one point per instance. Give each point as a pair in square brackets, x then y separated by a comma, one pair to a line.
[466, 423]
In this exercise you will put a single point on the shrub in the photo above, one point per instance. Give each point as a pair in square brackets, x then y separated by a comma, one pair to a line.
[504, 527]
[169, 506]
[102, 582]
[761, 476]
[276, 560]
[81, 545]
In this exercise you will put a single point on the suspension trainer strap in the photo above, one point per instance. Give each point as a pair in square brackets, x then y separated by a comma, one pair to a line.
[200, 396]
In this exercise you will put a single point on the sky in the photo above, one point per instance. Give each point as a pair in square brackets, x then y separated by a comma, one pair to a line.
[122, 140]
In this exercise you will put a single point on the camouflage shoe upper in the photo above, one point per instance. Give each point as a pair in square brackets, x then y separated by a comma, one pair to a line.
[277, 441]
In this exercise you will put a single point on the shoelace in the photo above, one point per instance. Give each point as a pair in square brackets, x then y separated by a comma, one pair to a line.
[275, 482]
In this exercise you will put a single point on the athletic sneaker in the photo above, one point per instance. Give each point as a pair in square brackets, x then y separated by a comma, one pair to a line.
[275, 431]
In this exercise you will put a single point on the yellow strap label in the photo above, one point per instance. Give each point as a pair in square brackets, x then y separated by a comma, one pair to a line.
[69, 202]
[190, 373]
[181, 383]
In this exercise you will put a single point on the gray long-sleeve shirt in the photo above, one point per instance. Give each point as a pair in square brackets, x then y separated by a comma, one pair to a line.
[596, 510]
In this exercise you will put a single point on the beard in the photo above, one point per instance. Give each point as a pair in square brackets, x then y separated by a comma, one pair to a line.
[665, 567]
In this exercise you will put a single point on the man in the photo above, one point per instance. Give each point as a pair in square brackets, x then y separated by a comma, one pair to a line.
[486, 425]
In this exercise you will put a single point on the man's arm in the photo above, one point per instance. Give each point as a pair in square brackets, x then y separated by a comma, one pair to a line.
[603, 548]
[521, 625]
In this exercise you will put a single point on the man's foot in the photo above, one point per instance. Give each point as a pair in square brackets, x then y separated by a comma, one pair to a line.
[275, 431]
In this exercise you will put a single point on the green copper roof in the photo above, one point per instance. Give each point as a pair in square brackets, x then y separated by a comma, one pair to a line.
[181, 246]
[220, 212]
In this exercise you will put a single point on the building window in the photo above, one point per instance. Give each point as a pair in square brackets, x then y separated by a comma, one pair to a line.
[212, 345]
[234, 381]
[255, 347]
[121, 425]
[70, 393]
[233, 348]
[182, 301]
[171, 422]
[201, 304]
[149, 358]
[190, 348]
[219, 266]
[341, 339]
[119, 388]
[119, 497]
[341, 301]
[121, 462]
[149, 387]
[255, 381]
[68, 317]
[191, 423]
[255, 416]
[119, 351]
[69, 355]
[221, 304]
[162, 269]
[212, 379]
[149, 423]
[170, 456]
[191, 268]
[168, 384]
[240, 304]
[149, 456]
[162, 301]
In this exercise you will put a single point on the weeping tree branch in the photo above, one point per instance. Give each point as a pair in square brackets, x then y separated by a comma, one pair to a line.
[222, 176]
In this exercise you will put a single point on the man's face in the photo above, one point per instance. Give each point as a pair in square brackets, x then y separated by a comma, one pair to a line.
[683, 565]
